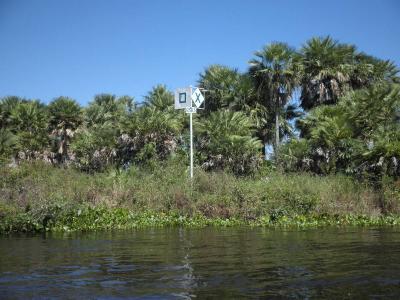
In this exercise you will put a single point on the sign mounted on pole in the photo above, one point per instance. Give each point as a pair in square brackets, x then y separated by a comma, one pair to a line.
[183, 98]
[197, 97]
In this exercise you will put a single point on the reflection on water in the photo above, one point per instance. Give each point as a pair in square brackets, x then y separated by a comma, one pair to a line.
[217, 263]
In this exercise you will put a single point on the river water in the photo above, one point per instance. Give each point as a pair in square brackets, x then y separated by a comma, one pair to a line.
[216, 263]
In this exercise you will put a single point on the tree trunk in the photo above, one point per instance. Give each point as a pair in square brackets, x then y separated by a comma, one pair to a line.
[276, 133]
[264, 150]
[277, 110]
[62, 149]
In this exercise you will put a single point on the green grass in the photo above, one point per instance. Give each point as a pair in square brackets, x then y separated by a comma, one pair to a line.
[35, 197]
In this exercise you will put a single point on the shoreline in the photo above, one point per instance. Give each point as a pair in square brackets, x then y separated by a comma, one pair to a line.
[100, 219]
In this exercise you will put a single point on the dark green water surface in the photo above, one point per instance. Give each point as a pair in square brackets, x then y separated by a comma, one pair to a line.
[208, 263]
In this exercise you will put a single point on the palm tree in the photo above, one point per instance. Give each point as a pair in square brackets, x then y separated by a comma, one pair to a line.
[64, 117]
[275, 77]
[330, 69]
[350, 136]
[7, 104]
[97, 141]
[150, 125]
[29, 123]
[327, 66]
[161, 98]
[107, 109]
[227, 89]
[373, 107]
[226, 140]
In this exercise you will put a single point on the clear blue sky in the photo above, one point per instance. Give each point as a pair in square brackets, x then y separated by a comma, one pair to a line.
[80, 48]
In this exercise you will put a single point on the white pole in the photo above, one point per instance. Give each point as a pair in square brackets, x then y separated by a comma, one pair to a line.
[191, 145]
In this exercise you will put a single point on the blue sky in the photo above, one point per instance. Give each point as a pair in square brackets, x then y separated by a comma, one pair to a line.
[80, 48]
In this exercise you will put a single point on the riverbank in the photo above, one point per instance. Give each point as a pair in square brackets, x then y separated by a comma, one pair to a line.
[37, 197]
[99, 219]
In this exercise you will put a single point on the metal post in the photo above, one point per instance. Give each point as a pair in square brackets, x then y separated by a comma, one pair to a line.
[191, 145]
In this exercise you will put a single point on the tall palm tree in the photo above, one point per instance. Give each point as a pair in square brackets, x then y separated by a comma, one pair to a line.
[326, 69]
[161, 98]
[7, 104]
[227, 88]
[274, 70]
[28, 121]
[65, 117]
[159, 109]
[107, 109]
[330, 69]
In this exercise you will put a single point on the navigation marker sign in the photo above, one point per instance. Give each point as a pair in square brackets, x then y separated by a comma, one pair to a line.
[197, 98]
[184, 99]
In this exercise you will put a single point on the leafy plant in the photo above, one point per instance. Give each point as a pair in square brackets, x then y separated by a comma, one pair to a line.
[225, 141]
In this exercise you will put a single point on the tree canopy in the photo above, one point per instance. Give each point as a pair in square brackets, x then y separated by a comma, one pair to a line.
[327, 107]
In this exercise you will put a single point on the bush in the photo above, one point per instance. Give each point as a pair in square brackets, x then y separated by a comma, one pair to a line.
[225, 142]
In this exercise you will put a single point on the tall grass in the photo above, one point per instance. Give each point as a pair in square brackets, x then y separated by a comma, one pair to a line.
[44, 192]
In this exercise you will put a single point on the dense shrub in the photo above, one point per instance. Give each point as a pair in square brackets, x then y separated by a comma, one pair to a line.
[359, 136]
[225, 142]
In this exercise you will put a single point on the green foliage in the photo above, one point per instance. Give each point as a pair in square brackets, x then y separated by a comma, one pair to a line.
[64, 113]
[95, 145]
[64, 118]
[330, 69]
[38, 197]
[375, 107]
[28, 122]
[296, 155]
[382, 155]
[359, 135]
[153, 131]
[94, 149]
[160, 98]
[225, 142]
[108, 110]
[327, 67]
[8, 143]
[275, 75]
[350, 124]
[152, 126]
[226, 88]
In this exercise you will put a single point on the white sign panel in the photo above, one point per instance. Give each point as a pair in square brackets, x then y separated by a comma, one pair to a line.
[197, 98]
[189, 110]
[183, 98]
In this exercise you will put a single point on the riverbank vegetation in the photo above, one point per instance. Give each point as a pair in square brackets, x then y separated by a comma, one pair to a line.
[37, 196]
[330, 113]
